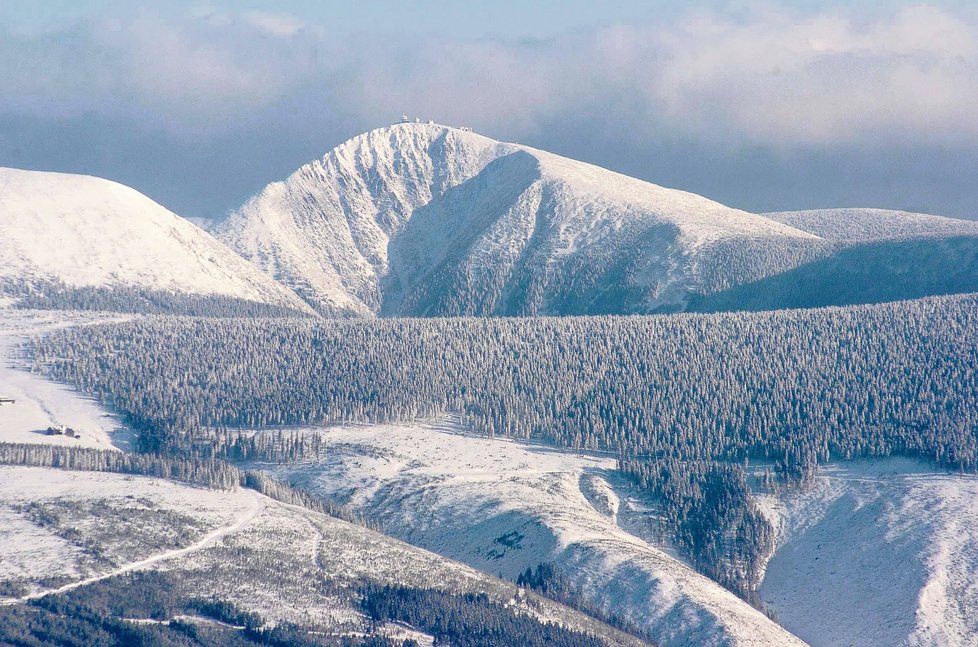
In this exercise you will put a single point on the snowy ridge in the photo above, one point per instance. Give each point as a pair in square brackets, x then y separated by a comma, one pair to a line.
[872, 224]
[424, 219]
[502, 506]
[86, 231]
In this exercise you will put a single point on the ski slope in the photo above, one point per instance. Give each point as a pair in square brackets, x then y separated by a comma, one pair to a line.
[502, 506]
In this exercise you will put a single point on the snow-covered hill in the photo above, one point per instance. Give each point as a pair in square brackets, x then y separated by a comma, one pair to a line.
[872, 224]
[502, 506]
[869, 271]
[886, 549]
[424, 219]
[62, 531]
[88, 232]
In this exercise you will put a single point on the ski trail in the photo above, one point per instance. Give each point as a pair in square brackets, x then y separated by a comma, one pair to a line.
[257, 506]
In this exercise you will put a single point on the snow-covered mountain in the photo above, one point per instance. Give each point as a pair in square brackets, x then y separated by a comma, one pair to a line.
[83, 231]
[873, 224]
[424, 219]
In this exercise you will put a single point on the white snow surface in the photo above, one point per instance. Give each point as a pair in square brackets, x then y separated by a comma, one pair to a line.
[872, 224]
[31, 551]
[503, 506]
[87, 231]
[429, 219]
[40, 403]
[240, 546]
[877, 553]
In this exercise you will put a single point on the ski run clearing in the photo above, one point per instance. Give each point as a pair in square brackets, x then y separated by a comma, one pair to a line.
[39, 403]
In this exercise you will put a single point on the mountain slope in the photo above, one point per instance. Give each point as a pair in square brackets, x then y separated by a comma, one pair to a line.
[83, 535]
[872, 271]
[423, 219]
[502, 507]
[872, 224]
[86, 232]
[886, 548]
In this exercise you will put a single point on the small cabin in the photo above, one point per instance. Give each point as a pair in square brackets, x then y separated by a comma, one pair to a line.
[404, 120]
[7, 401]
[62, 430]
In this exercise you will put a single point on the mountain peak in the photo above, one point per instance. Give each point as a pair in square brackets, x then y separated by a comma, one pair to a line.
[421, 218]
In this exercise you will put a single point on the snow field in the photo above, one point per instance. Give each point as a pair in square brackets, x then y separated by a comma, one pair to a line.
[502, 506]
[885, 548]
[40, 403]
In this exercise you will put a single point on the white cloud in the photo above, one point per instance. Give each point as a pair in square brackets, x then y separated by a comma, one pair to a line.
[770, 77]
[822, 79]
[282, 25]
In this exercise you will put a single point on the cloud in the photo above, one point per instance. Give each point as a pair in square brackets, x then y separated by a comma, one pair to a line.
[773, 79]
[770, 77]
[282, 25]
[824, 79]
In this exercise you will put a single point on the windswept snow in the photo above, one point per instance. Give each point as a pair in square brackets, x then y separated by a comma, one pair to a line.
[427, 219]
[872, 224]
[86, 231]
[877, 553]
[502, 506]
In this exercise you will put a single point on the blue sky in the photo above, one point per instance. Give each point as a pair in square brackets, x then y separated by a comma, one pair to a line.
[759, 105]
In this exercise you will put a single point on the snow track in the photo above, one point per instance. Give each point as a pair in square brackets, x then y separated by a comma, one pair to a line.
[258, 505]
[283, 562]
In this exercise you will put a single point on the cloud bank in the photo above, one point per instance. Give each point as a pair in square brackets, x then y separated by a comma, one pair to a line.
[767, 84]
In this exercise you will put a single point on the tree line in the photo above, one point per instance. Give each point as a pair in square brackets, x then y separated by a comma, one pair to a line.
[794, 388]
[211, 473]
[53, 294]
